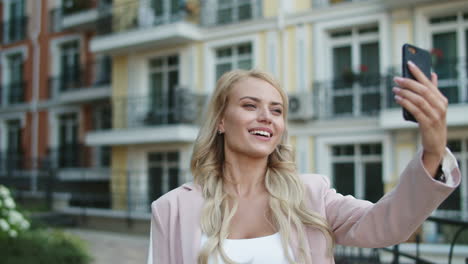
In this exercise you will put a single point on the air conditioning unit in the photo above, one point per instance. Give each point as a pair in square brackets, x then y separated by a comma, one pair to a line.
[301, 107]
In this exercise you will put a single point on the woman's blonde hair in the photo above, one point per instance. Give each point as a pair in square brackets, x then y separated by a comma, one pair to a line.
[287, 192]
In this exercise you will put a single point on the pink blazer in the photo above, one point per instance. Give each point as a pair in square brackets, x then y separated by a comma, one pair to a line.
[176, 233]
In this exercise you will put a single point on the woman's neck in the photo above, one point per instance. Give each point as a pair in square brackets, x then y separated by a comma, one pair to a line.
[244, 177]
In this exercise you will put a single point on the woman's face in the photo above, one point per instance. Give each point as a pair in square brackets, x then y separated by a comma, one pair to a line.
[253, 121]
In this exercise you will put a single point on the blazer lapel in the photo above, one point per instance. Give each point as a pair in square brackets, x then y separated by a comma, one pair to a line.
[190, 207]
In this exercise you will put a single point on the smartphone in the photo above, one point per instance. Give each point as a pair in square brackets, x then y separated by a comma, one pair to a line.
[422, 59]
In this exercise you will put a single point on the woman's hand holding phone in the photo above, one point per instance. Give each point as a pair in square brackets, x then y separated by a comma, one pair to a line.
[428, 105]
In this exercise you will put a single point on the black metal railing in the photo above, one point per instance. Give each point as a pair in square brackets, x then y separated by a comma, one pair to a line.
[70, 156]
[14, 161]
[14, 30]
[230, 12]
[178, 106]
[352, 255]
[356, 95]
[132, 16]
[70, 7]
[14, 93]
[369, 94]
[92, 75]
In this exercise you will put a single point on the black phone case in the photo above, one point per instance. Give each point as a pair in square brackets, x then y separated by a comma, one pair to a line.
[422, 59]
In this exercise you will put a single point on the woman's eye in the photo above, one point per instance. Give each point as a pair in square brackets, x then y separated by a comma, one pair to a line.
[279, 111]
[249, 105]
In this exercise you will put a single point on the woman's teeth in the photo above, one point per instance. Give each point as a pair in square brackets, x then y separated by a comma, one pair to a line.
[260, 132]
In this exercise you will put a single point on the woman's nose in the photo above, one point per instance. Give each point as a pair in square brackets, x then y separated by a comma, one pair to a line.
[264, 115]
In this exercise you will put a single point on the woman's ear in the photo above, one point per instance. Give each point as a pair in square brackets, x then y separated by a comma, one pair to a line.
[221, 126]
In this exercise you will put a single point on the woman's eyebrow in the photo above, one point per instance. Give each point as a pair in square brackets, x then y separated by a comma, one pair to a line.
[258, 100]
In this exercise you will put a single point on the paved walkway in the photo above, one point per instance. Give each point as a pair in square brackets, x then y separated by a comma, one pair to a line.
[114, 248]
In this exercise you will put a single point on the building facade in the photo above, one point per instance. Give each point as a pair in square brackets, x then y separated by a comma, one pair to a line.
[132, 117]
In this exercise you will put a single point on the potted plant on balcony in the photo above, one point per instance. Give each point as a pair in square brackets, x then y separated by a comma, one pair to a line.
[348, 76]
[436, 55]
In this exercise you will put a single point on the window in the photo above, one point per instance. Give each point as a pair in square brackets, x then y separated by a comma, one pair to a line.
[357, 170]
[15, 88]
[14, 151]
[449, 36]
[102, 117]
[69, 151]
[69, 78]
[457, 201]
[164, 78]
[73, 6]
[234, 10]
[103, 154]
[166, 11]
[15, 27]
[233, 57]
[356, 71]
[163, 173]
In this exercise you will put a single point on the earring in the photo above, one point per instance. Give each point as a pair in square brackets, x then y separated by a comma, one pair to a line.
[220, 132]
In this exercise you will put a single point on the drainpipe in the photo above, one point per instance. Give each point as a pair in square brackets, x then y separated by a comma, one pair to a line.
[35, 91]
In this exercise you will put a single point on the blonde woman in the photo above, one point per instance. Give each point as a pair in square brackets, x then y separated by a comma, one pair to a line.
[248, 204]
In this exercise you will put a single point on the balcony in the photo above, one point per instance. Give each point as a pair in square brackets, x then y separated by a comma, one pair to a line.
[453, 83]
[14, 163]
[14, 30]
[133, 26]
[78, 15]
[371, 96]
[79, 84]
[326, 3]
[139, 120]
[230, 12]
[351, 96]
[77, 162]
[12, 94]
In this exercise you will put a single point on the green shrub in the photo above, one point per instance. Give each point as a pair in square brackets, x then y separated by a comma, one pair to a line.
[44, 246]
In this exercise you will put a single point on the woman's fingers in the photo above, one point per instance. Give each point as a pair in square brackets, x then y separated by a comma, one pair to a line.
[434, 98]
[418, 105]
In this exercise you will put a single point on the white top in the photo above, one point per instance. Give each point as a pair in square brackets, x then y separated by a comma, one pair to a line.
[259, 250]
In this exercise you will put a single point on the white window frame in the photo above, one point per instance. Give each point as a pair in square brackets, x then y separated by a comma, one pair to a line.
[324, 147]
[358, 160]
[460, 26]
[463, 158]
[146, 16]
[56, 51]
[166, 165]
[210, 56]
[7, 16]
[54, 119]
[321, 41]
[355, 40]
[23, 50]
[3, 127]
[235, 57]
[234, 5]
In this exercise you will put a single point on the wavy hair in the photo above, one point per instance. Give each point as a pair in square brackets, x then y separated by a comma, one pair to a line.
[286, 190]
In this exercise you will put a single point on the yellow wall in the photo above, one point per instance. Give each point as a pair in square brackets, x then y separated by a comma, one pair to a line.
[200, 66]
[311, 167]
[119, 178]
[290, 63]
[263, 51]
[310, 63]
[119, 90]
[293, 142]
[270, 8]
[302, 5]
